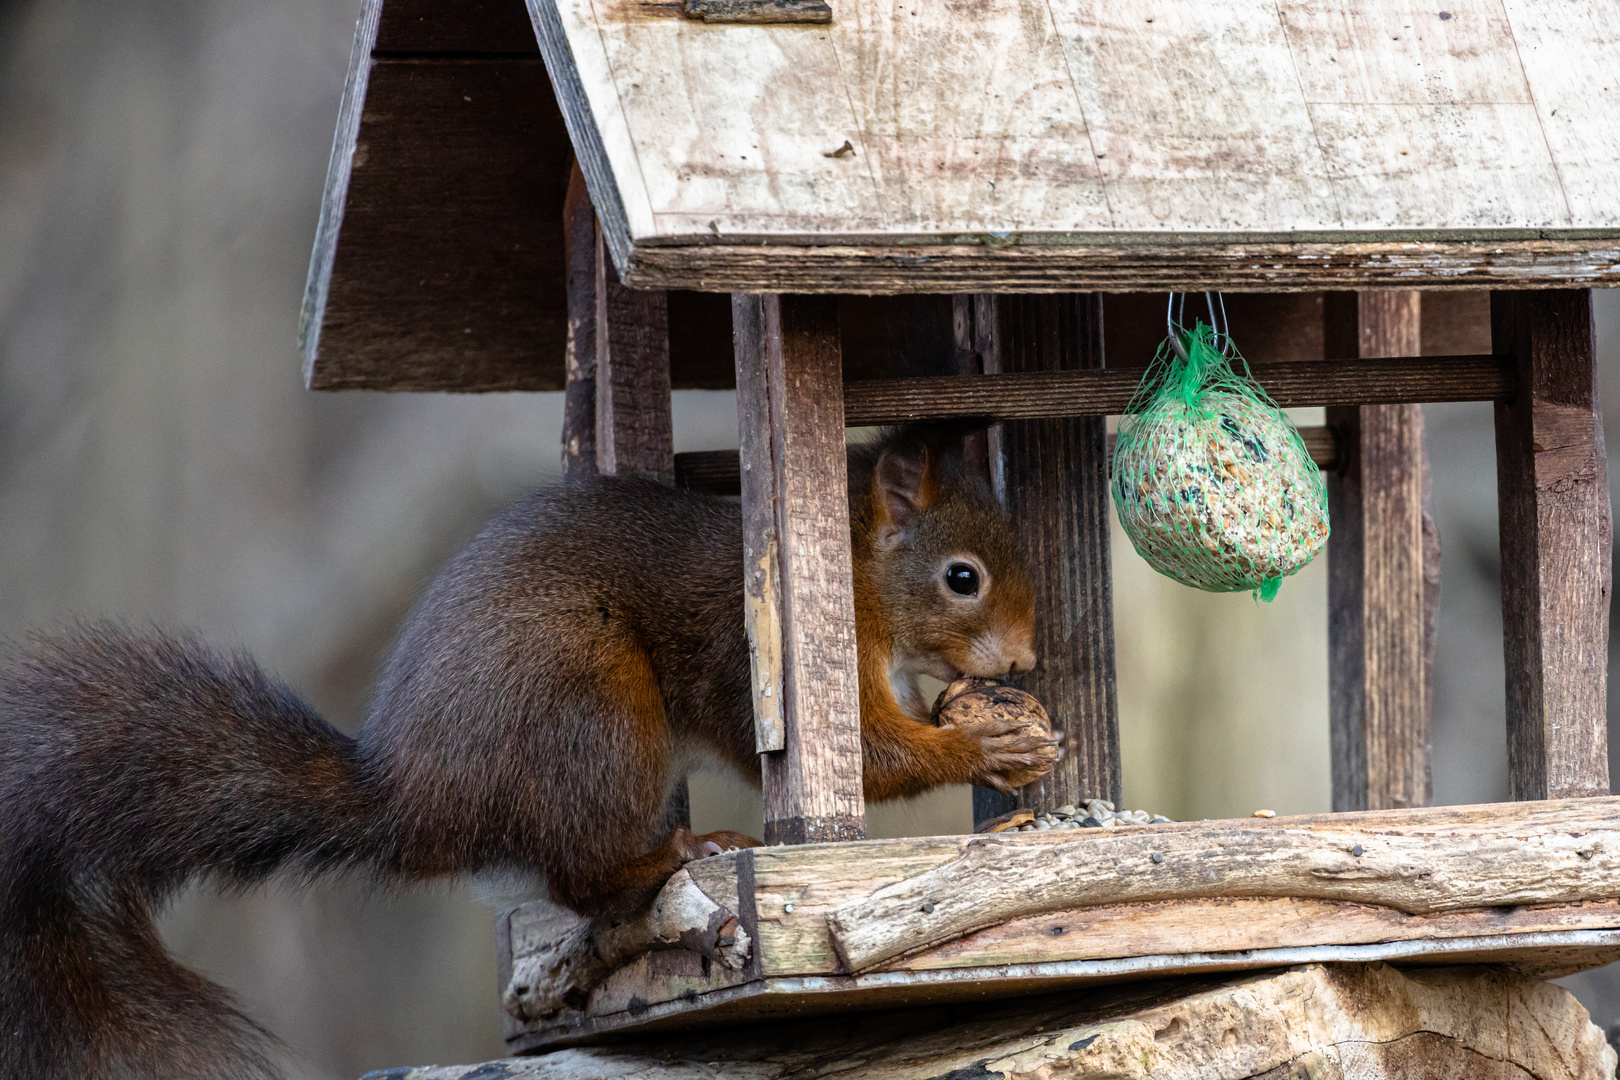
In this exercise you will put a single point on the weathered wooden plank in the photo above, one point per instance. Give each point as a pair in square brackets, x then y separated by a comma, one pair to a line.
[1221, 924]
[1053, 394]
[1196, 117]
[793, 890]
[1556, 538]
[1362, 1022]
[716, 472]
[994, 880]
[1570, 65]
[1379, 628]
[579, 358]
[1056, 487]
[797, 889]
[634, 431]
[1456, 322]
[412, 289]
[484, 27]
[791, 424]
[1139, 262]
[762, 538]
[1073, 130]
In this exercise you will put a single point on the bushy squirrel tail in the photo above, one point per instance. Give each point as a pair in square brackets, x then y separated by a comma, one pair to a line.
[129, 765]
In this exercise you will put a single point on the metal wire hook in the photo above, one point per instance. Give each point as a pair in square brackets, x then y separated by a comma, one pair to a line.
[1175, 319]
[1172, 324]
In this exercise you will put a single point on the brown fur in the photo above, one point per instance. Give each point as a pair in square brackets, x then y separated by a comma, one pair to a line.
[527, 719]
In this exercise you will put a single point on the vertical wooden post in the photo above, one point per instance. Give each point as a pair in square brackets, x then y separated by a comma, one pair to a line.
[634, 436]
[1055, 476]
[973, 318]
[1383, 577]
[632, 433]
[579, 362]
[795, 502]
[1557, 533]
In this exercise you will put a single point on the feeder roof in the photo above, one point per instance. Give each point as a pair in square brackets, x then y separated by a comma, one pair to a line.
[933, 144]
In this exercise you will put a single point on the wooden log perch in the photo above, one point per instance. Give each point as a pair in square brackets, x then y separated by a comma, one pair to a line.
[583, 952]
[1327, 1022]
[999, 878]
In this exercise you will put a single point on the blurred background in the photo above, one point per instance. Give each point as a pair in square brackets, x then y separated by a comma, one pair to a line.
[161, 166]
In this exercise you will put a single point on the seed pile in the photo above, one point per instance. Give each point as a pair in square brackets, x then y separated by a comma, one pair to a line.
[1211, 480]
[1095, 814]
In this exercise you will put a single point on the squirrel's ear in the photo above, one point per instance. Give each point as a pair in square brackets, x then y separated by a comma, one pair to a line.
[904, 484]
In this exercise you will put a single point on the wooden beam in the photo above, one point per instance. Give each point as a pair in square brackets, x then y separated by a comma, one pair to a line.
[634, 433]
[1142, 262]
[579, 357]
[1556, 536]
[796, 504]
[1379, 578]
[1056, 489]
[1054, 394]
[716, 472]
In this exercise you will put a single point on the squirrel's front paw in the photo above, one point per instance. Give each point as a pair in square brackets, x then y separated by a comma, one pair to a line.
[1010, 727]
[1015, 753]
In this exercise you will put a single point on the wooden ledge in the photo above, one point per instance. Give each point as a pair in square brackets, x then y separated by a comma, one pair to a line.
[1535, 885]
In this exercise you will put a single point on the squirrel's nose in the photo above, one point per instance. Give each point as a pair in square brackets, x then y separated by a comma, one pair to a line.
[1023, 660]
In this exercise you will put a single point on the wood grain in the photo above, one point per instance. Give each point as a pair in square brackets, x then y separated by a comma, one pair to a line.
[1055, 486]
[634, 431]
[996, 879]
[411, 289]
[1054, 394]
[716, 472]
[790, 418]
[1325, 1021]
[1556, 540]
[1379, 587]
[1226, 924]
[1151, 263]
[485, 27]
[579, 357]
[1071, 132]
[790, 891]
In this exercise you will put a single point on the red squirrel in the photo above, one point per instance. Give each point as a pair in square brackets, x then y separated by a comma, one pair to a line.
[529, 719]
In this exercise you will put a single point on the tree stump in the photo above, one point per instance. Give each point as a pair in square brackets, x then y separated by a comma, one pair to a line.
[1323, 1021]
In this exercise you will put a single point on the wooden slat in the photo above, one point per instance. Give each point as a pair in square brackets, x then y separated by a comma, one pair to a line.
[1054, 394]
[1378, 591]
[579, 358]
[634, 431]
[1056, 489]
[790, 416]
[1135, 263]
[716, 472]
[1556, 537]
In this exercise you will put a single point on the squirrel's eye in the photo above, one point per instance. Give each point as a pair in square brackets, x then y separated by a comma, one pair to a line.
[963, 579]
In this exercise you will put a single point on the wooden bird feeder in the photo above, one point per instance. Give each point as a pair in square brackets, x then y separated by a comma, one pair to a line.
[618, 197]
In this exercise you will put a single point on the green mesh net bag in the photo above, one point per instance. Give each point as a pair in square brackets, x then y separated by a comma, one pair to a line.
[1212, 482]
